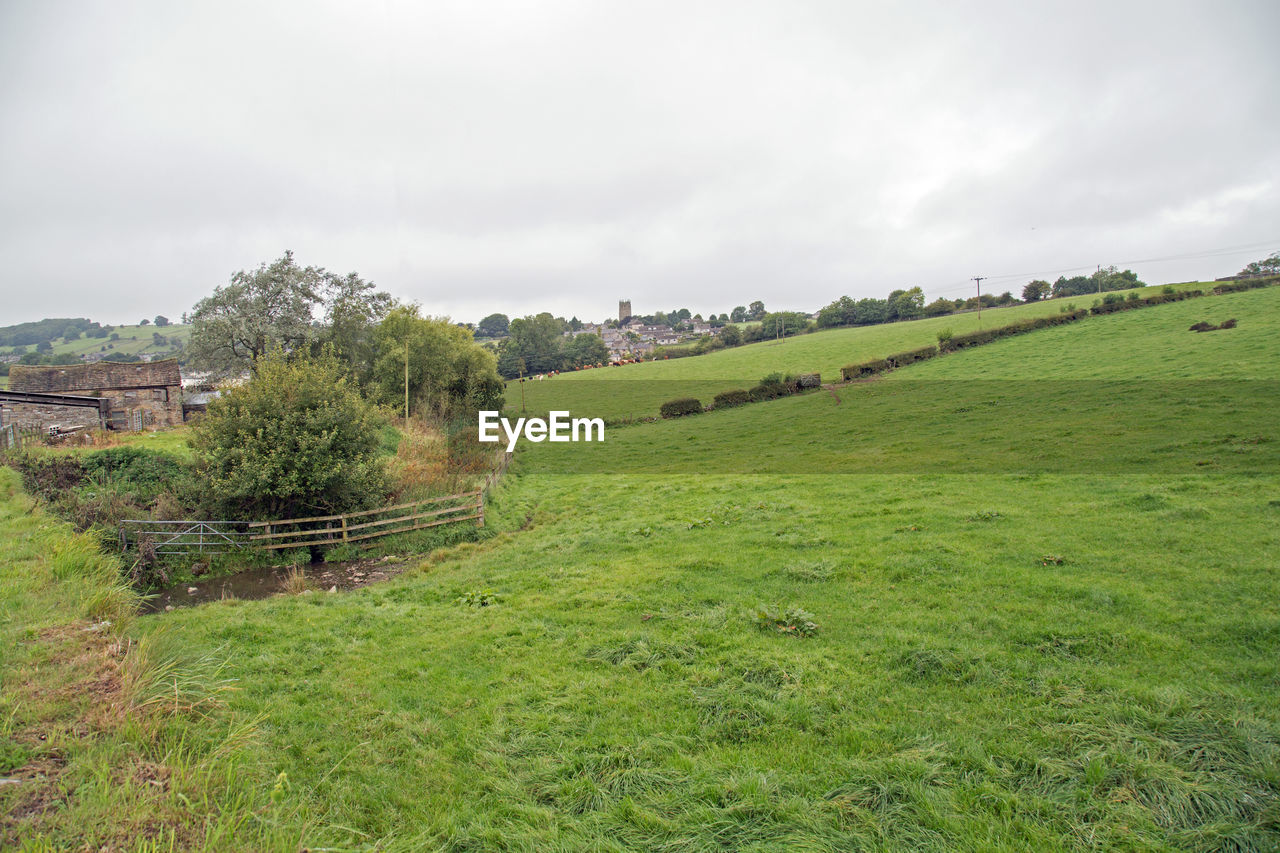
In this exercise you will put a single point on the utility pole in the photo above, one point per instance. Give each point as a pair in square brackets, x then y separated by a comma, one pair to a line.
[978, 279]
[1098, 276]
[406, 383]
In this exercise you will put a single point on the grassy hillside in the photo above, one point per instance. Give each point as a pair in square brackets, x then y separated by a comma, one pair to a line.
[1079, 655]
[133, 340]
[653, 383]
[106, 740]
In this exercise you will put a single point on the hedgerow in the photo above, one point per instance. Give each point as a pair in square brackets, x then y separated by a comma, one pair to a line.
[680, 407]
[729, 399]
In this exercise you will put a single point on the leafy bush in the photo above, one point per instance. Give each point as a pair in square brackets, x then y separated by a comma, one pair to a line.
[861, 371]
[145, 472]
[793, 621]
[1209, 327]
[771, 391]
[296, 440]
[902, 359]
[946, 335]
[1110, 306]
[679, 407]
[729, 399]
[1237, 286]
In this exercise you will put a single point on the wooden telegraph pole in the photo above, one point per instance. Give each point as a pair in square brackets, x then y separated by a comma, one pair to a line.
[406, 382]
[978, 279]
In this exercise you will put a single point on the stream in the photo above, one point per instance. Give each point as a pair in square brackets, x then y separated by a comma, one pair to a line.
[253, 584]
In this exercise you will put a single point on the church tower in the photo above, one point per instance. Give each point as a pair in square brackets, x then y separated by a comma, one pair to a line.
[624, 310]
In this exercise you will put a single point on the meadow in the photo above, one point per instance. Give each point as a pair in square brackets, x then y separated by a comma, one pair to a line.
[704, 376]
[1020, 597]
[133, 340]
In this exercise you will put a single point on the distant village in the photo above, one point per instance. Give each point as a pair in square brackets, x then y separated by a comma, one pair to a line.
[631, 337]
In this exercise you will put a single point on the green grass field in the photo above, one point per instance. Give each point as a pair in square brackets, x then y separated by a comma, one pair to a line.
[134, 340]
[1042, 574]
[704, 376]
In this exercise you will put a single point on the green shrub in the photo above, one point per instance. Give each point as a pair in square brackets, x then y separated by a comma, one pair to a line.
[680, 407]
[145, 472]
[296, 440]
[945, 335]
[861, 371]
[729, 399]
[1252, 284]
[902, 359]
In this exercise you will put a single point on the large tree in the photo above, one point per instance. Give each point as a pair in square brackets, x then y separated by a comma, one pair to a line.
[257, 312]
[1036, 290]
[493, 326]
[1269, 265]
[586, 349]
[353, 311]
[448, 372]
[906, 304]
[535, 344]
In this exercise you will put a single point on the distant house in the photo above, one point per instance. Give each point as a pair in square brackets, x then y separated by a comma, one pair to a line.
[140, 395]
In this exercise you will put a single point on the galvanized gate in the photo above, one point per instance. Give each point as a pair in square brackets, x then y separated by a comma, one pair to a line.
[184, 537]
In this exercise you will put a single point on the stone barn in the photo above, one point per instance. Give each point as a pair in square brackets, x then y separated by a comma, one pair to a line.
[141, 395]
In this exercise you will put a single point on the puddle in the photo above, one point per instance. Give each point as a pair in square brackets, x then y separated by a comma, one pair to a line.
[264, 583]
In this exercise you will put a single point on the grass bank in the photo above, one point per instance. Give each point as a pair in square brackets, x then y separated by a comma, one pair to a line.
[108, 740]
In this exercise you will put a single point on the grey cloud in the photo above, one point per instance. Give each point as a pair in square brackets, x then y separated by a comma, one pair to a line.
[518, 157]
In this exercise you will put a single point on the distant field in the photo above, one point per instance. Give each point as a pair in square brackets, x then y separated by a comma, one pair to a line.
[134, 340]
[1120, 392]
[606, 392]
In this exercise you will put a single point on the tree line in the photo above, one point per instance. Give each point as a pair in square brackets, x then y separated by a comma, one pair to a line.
[382, 345]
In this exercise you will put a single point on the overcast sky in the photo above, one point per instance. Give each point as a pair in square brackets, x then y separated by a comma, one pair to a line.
[545, 155]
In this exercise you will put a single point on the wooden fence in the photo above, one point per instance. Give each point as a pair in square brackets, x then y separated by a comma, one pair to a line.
[169, 537]
[13, 437]
[369, 524]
